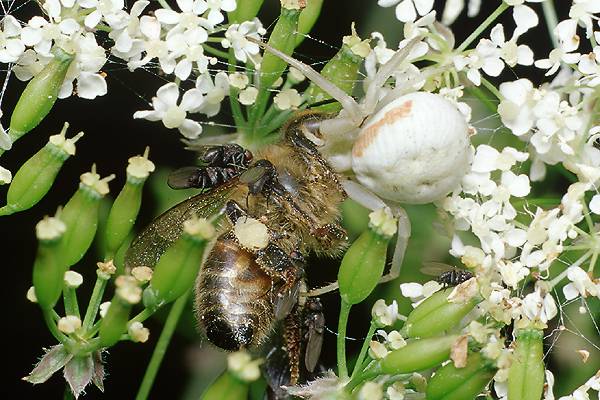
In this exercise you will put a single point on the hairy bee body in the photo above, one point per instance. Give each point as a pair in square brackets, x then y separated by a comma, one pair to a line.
[235, 290]
[233, 297]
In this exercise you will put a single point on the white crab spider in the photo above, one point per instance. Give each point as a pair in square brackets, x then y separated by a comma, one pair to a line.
[405, 148]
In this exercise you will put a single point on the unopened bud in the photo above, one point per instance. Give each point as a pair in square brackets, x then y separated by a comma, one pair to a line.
[73, 279]
[142, 274]
[69, 324]
[138, 333]
[35, 177]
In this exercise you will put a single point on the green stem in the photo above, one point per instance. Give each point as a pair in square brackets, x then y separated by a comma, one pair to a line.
[370, 373]
[363, 350]
[52, 327]
[341, 340]
[562, 275]
[593, 262]
[490, 86]
[489, 20]
[551, 19]
[143, 315]
[215, 52]
[94, 303]
[70, 299]
[164, 4]
[161, 346]
[236, 109]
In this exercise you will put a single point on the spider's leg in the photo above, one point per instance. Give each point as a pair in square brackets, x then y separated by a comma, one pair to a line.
[387, 70]
[347, 102]
[369, 200]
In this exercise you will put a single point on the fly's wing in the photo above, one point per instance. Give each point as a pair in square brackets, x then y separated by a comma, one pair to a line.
[315, 324]
[434, 268]
[147, 248]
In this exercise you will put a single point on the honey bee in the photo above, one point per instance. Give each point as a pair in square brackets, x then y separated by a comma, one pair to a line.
[241, 292]
[446, 274]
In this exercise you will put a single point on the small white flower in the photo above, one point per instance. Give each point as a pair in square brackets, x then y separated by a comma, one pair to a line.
[241, 365]
[104, 308]
[407, 10]
[5, 176]
[238, 80]
[581, 284]
[288, 99]
[595, 204]
[73, 279]
[215, 92]
[11, 44]
[371, 390]
[174, 115]
[377, 350]
[143, 274]
[516, 107]
[138, 333]
[31, 295]
[215, 16]
[236, 35]
[248, 96]
[582, 11]
[537, 307]
[383, 314]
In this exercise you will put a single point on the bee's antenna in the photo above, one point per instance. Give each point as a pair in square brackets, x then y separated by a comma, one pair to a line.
[347, 102]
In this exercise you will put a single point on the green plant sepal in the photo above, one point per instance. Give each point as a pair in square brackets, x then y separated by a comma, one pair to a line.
[451, 383]
[526, 373]
[418, 355]
[436, 315]
[39, 95]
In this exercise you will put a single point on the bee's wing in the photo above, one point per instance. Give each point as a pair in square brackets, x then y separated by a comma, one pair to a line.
[153, 241]
[285, 303]
[434, 268]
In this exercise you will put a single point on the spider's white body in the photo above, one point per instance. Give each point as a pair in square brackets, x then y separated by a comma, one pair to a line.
[414, 150]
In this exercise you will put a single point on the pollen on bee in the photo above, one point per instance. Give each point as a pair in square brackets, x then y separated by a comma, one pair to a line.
[251, 233]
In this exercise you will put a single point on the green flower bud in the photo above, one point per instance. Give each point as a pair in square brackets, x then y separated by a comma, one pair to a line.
[177, 268]
[114, 323]
[308, 17]
[526, 373]
[282, 38]
[451, 383]
[363, 263]
[227, 386]
[125, 209]
[437, 314]
[418, 355]
[245, 11]
[80, 214]
[48, 269]
[341, 70]
[36, 176]
[39, 95]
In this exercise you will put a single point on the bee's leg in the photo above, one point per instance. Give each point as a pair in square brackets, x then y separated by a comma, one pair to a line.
[292, 336]
[289, 270]
[332, 238]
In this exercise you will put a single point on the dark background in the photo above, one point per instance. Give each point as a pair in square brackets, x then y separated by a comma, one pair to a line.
[112, 136]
